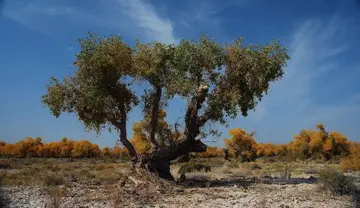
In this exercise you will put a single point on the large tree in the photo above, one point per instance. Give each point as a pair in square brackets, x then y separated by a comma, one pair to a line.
[218, 81]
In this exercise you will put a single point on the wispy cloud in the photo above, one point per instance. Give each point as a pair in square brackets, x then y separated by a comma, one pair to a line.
[202, 13]
[130, 16]
[146, 17]
[317, 49]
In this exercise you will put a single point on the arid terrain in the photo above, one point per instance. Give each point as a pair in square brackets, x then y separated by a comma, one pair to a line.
[110, 183]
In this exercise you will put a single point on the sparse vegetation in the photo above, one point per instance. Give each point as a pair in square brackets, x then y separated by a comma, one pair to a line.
[193, 166]
[52, 179]
[58, 177]
[5, 164]
[351, 163]
[55, 196]
[335, 182]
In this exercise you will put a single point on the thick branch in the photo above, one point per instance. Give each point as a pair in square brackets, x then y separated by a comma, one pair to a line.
[123, 133]
[155, 113]
[191, 117]
[184, 147]
[124, 140]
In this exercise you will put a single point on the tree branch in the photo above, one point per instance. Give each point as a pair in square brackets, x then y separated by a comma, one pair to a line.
[123, 134]
[191, 117]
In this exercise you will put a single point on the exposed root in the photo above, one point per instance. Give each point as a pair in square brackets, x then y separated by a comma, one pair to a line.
[141, 188]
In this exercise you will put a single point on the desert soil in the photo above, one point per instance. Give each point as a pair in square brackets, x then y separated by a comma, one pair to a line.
[256, 195]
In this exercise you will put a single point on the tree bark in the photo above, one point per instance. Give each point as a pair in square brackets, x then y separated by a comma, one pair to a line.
[158, 161]
[124, 140]
[155, 113]
[121, 126]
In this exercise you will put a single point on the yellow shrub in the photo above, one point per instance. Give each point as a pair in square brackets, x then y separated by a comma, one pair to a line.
[351, 163]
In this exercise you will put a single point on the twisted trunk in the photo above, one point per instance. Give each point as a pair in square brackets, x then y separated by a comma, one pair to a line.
[158, 161]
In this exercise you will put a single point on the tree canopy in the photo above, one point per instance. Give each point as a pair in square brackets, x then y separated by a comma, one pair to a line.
[218, 81]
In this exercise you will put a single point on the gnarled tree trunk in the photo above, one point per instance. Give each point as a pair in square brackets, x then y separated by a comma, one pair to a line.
[158, 161]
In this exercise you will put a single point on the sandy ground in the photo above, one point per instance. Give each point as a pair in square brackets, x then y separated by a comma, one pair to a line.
[257, 195]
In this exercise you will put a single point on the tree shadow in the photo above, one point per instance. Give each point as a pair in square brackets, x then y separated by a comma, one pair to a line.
[356, 198]
[4, 202]
[245, 182]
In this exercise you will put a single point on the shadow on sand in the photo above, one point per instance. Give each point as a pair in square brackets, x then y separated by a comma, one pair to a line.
[244, 181]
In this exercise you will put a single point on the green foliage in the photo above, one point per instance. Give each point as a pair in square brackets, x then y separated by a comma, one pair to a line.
[95, 92]
[237, 76]
[337, 183]
[249, 71]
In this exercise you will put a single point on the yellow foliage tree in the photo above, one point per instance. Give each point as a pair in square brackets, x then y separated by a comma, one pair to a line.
[119, 152]
[266, 149]
[320, 144]
[211, 152]
[85, 149]
[106, 152]
[241, 145]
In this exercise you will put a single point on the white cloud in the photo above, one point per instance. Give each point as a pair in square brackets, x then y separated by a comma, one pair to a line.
[146, 17]
[202, 13]
[126, 16]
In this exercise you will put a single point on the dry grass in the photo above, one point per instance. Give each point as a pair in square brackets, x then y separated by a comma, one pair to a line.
[60, 176]
[54, 172]
[55, 196]
[351, 163]
[52, 179]
[261, 203]
[6, 164]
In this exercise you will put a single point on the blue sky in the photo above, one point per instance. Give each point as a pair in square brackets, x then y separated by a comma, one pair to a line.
[38, 40]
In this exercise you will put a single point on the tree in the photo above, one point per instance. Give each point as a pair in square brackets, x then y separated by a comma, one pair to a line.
[106, 152]
[218, 82]
[320, 144]
[241, 145]
[211, 152]
[85, 149]
[266, 149]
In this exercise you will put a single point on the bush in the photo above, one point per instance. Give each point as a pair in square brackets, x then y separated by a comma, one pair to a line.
[5, 164]
[284, 170]
[193, 166]
[55, 195]
[109, 160]
[255, 166]
[336, 182]
[233, 164]
[351, 163]
[52, 179]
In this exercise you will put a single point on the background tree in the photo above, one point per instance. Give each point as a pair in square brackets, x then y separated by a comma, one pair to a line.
[241, 145]
[85, 149]
[266, 149]
[211, 152]
[217, 81]
[320, 144]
